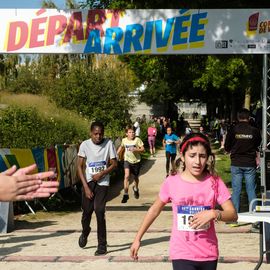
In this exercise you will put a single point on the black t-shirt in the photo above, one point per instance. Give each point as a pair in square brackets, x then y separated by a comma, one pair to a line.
[242, 141]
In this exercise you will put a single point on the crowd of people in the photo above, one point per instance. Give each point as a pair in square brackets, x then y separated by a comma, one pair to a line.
[193, 215]
[198, 195]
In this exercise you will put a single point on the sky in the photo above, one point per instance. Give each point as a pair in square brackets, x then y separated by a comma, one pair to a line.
[28, 3]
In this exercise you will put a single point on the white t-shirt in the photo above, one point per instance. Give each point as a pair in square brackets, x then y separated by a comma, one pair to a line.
[97, 158]
[137, 129]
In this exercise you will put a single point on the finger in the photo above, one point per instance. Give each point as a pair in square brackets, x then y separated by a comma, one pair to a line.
[43, 175]
[89, 197]
[46, 190]
[135, 254]
[135, 257]
[26, 170]
[10, 171]
[41, 194]
[45, 184]
[24, 198]
[27, 190]
[132, 253]
[27, 180]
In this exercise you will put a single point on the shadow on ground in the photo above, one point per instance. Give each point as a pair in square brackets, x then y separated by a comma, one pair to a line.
[23, 241]
[128, 208]
[126, 246]
[117, 179]
[24, 224]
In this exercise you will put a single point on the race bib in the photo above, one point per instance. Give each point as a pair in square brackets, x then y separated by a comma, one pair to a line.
[96, 167]
[185, 214]
[130, 147]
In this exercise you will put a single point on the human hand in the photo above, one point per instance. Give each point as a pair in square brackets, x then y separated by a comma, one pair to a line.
[88, 193]
[200, 219]
[18, 185]
[134, 250]
[96, 177]
[45, 190]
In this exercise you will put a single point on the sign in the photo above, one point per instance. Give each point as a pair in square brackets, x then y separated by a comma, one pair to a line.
[137, 31]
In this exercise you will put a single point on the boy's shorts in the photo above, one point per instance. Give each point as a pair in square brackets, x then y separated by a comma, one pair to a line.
[133, 167]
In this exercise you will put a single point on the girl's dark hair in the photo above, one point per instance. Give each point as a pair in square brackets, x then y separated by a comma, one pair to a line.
[188, 142]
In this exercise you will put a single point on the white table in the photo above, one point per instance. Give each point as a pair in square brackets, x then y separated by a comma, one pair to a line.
[253, 217]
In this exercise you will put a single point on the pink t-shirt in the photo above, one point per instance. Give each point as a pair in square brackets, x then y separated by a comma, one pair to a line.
[185, 244]
[152, 131]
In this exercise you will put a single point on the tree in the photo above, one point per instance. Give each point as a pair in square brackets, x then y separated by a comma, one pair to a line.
[100, 93]
[158, 4]
[228, 79]
[168, 78]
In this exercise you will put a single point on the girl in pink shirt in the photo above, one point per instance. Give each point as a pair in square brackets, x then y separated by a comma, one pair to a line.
[194, 193]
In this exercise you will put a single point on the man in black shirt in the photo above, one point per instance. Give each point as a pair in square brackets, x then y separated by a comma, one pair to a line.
[242, 142]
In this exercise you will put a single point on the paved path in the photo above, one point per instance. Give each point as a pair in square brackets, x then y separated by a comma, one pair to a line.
[50, 241]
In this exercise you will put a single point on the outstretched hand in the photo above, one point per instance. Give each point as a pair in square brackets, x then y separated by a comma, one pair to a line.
[20, 185]
[134, 250]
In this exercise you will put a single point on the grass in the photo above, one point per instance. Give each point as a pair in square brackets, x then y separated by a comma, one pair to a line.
[223, 164]
[223, 169]
[45, 107]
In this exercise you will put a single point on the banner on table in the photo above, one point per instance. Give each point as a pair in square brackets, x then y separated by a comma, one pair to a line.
[156, 31]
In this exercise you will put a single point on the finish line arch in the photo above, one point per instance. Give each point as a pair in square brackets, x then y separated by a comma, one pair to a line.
[168, 31]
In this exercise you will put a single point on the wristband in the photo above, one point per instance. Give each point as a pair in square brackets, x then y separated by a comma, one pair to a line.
[218, 217]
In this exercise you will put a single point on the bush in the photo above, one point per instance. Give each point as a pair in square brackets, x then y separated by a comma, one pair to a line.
[25, 128]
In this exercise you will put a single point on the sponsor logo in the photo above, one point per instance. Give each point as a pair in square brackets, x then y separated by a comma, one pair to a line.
[251, 46]
[221, 44]
[253, 22]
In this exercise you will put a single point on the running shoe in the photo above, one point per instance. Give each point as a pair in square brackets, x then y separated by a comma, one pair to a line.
[82, 241]
[136, 193]
[125, 198]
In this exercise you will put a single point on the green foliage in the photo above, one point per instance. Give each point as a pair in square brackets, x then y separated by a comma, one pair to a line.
[224, 73]
[26, 82]
[102, 94]
[223, 167]
[143, 133]
[25, 128]
[158, 4]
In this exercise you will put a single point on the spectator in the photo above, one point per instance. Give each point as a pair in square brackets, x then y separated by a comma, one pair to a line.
[137, 128]
[188, 129]
[242, 142]
[202, 131]
[216, 130]
[223, 133]
[152, 133]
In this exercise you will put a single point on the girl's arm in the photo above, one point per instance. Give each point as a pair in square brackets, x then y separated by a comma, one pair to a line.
[149, 218]
[228, 212]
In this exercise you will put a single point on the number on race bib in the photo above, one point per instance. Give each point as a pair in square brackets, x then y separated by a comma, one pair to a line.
[96, 167]
[185, 215]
